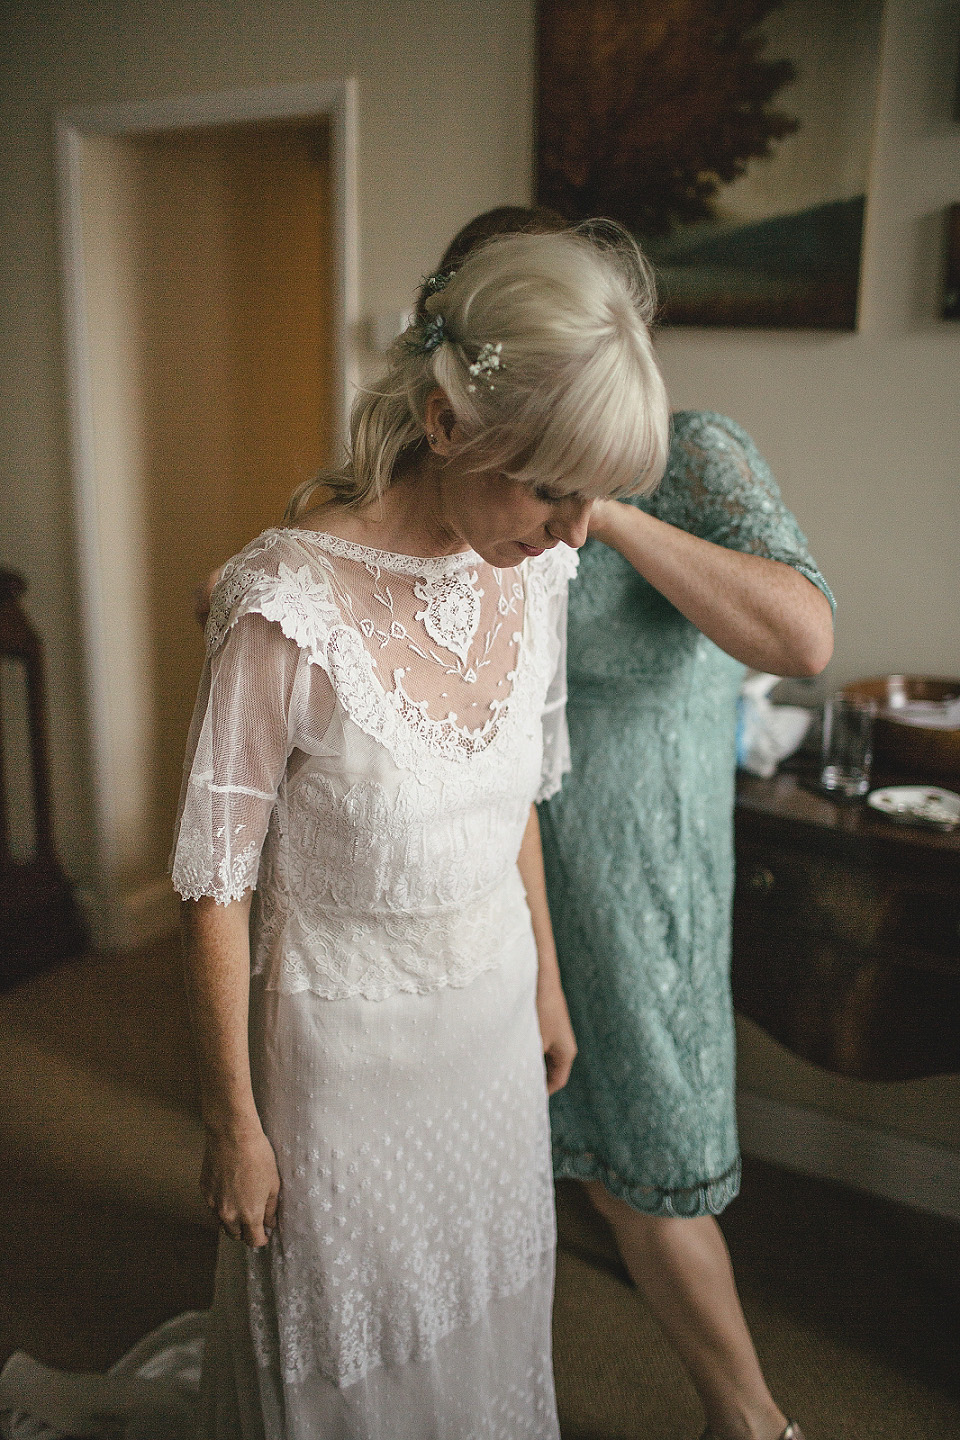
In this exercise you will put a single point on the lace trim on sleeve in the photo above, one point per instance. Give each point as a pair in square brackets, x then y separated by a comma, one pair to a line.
[299, 600]
[247, 713]
[194, 877]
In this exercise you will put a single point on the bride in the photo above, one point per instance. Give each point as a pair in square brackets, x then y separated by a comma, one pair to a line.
[370, 966]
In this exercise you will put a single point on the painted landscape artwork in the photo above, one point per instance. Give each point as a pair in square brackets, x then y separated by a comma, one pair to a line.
[732, 138]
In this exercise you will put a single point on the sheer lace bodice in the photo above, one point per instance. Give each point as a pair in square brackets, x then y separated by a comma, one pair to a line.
[368, 736]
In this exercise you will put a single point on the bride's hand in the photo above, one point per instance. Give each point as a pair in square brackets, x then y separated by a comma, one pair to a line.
[241, 1184]
[556, 1032]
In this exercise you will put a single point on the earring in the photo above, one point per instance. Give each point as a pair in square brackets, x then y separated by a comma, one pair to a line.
[431, 436]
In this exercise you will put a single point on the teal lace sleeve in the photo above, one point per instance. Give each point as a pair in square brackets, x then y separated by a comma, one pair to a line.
[718, 486]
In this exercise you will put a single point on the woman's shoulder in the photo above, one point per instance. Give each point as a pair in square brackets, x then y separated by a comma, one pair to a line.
[281, 577]
[707, 428]
[712, 454]
[715, 477]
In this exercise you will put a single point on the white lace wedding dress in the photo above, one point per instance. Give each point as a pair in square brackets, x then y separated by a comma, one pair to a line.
[370, 734]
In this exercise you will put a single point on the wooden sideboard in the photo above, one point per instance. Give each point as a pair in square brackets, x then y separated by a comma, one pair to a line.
[846, 935]
[39, 918]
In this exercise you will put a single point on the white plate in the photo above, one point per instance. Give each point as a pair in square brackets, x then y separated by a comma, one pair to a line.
[918, 805]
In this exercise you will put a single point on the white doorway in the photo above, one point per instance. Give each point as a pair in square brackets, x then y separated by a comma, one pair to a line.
[210, 261]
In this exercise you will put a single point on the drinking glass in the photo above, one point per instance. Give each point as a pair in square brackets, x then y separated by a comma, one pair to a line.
[847, 745]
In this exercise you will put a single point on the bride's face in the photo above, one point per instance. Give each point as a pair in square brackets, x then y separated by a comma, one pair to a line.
[505, 520]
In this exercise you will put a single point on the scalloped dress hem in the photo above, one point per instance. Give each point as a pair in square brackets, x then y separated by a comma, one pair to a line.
[709, 1197]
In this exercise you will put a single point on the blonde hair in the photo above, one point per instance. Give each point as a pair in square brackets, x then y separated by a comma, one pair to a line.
[578, 401]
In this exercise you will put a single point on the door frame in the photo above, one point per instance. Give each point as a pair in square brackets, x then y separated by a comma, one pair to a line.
[125, 913]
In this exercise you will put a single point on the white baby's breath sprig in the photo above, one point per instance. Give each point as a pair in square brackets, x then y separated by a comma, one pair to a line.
[486, 365]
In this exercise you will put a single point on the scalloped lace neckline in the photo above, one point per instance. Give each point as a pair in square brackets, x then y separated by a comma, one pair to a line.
[429, 566]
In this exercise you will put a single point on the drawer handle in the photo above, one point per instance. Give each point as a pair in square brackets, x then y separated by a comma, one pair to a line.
[761, 879]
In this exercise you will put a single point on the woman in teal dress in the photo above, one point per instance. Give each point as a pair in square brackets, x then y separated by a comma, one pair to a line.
[676, 593]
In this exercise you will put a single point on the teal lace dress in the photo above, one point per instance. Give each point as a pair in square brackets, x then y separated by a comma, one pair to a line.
[638, 847]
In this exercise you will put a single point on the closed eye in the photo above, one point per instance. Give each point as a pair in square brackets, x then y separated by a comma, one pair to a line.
[554, 497]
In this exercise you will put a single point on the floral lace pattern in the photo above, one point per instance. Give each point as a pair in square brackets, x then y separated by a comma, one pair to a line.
[229, 877]
[638, 847]
[384, 857]
[451, 612]
[468, 1151]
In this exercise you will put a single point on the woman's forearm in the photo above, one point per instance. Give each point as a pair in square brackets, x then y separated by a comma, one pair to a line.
[762, 612]
[556, 1032]
[216, 949]
[239, 1178]
[530, 865]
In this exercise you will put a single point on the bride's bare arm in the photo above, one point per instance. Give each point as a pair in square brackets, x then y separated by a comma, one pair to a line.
[559, 1045]
[240, 1180]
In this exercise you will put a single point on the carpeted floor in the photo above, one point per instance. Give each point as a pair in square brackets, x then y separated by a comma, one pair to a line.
[854, 1302]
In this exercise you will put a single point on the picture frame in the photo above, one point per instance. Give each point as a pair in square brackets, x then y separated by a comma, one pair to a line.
[734, 140]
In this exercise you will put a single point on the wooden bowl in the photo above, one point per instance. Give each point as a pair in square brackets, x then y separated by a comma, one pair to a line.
[910, 750]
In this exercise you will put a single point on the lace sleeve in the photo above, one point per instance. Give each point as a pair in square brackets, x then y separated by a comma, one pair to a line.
[243, 729]
[556, 740]
[718, 486]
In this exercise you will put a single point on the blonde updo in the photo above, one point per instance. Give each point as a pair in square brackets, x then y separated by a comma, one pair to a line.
[577, 402]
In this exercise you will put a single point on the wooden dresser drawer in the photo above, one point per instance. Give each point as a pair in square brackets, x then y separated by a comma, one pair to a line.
[846, 935]
[859, 907]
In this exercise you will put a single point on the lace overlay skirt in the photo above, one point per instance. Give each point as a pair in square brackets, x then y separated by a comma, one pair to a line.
[407, 1290]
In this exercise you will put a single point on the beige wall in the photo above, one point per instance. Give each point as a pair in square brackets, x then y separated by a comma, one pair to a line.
[863, 430]
[444, 99]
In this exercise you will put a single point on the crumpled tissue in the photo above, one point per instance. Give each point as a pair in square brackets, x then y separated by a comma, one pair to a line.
[766, 733]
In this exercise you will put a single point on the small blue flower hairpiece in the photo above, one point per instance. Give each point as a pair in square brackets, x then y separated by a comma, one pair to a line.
[427, 334]
[424, 336]
[431, 335]
[433, 284]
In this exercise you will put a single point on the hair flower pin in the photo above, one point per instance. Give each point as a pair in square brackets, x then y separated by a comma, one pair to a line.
[433, 284]
[425, 335]
[486, 365]
[432, 335]
[428, 331]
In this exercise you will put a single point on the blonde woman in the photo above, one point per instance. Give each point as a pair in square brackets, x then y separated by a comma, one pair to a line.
[381, 705]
